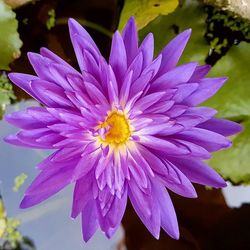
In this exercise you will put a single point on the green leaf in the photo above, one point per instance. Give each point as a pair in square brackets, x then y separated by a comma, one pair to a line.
[3, 219]
[10, 42]
[233, 102]
[145, 11]
[233, 99]
[189, 15]
[233, 163]
[6, 93]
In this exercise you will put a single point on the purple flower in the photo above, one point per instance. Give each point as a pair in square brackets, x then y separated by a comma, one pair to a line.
[126, 128]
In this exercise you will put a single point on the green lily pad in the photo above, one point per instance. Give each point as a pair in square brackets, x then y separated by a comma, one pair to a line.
[233, 102]
[10, 42]
[189, 15]
[145, 11]
[233, 99]
[233, 163]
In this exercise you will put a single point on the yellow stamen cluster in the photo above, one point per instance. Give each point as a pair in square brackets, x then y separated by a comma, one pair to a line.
[118, 129]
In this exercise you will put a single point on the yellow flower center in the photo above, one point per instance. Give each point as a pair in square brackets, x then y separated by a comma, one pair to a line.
[117, 129]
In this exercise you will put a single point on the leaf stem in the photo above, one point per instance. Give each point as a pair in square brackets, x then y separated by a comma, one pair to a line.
[89, 24]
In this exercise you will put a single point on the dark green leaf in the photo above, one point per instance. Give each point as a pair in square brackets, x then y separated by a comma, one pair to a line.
[233, 99]
[233, 163]
[165, 28]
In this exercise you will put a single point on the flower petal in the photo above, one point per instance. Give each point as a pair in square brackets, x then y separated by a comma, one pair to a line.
[61, 75]
[147, 49]
[23, 120]
[35, 137]
[207, 88]
[40, 65]
[15, 140]
[130, 39]
[82, 40]
[118, 57]
[221, 126]
[136, 66]
[199, 172]
[168, 217]
[52, 56]
[148, 100]
[200, 72]
[46, 184]
[147, 208]
[140, 83]
[172, 52]
[82, 194]
[116, 211]
[50, 94]
[89, 220]
[175, 76]
[84, 166]
[163, 145]
[184, 91]
[209, 140]
[23, 81]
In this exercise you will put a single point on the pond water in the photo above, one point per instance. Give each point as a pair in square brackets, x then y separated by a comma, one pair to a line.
[235, 196]
[49, 224]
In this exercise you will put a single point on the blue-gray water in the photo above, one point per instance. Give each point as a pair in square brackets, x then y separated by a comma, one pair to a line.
[49, 223]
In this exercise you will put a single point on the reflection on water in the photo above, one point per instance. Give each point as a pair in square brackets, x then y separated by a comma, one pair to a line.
[48, 224]
[235, 196]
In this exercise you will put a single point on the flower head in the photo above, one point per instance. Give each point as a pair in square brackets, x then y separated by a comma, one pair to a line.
[126, 128]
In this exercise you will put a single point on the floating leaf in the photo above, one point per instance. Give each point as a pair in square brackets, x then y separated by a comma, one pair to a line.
[233, 163]
[3, 219]
[6, 93]
[233, 102]
[8, 229]
[12, 235]
[189, 15]
[145, 11]
[233, 99]
[10, 42]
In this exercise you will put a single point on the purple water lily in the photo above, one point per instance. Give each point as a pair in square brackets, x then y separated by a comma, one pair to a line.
[126, 128]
